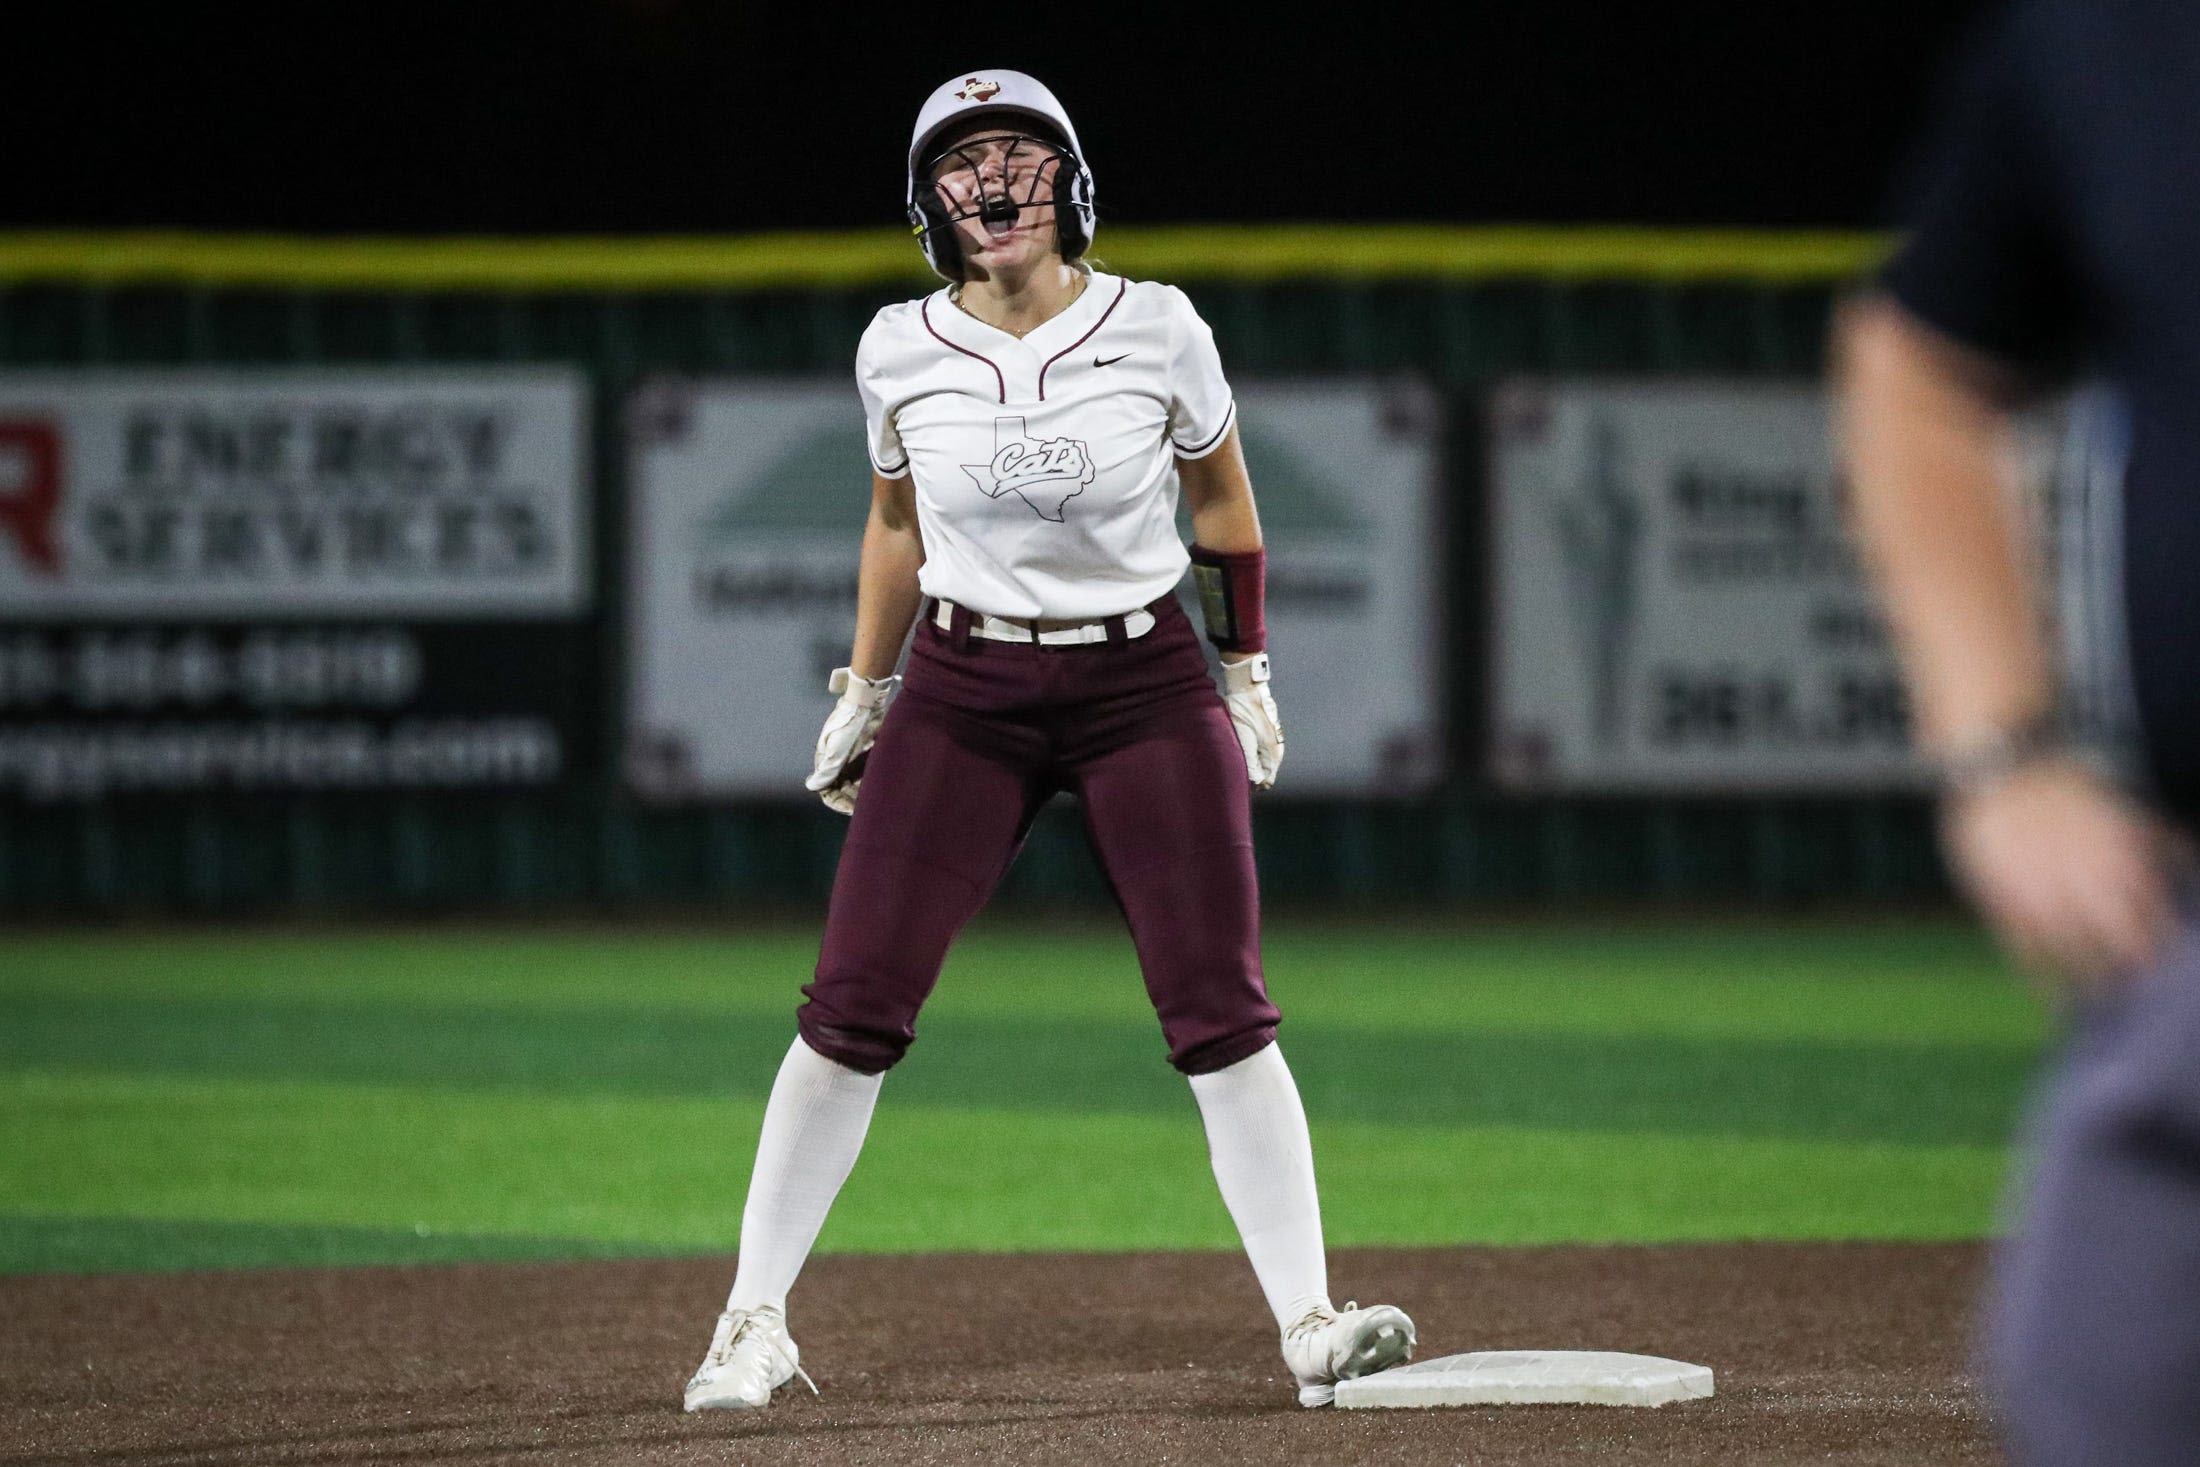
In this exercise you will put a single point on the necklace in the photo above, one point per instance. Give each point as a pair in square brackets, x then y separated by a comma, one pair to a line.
[955, 294]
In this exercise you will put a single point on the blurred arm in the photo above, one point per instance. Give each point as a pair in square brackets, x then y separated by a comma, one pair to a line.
[2071, 875]
[886, 580]
[1220, 496]
[1926, 434]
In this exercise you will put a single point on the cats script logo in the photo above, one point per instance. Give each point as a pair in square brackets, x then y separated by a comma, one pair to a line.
[1045, 474]
[30, 492]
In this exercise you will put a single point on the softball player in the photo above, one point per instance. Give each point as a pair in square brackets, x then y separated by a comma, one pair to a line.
[1031, 426]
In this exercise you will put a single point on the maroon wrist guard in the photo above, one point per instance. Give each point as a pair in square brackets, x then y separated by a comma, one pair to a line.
[1232, 590]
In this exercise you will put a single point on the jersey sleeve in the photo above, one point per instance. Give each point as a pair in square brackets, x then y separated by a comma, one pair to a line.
[1201, 407]
[1987, 259]
[880, 437]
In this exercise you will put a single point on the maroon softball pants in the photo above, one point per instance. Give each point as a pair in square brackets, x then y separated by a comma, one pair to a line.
[982, 735]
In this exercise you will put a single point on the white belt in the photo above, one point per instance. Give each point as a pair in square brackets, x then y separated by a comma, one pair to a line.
[1048, 634]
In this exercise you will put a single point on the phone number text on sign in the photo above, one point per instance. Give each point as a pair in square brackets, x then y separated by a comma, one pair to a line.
[97, 670]
[1726, 709]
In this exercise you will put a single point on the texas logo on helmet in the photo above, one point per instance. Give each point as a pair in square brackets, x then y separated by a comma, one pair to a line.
[977, 90]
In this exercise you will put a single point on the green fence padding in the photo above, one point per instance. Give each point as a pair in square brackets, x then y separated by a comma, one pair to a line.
[1456, 308]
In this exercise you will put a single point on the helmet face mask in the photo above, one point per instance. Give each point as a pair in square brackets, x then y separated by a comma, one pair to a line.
[992, 177]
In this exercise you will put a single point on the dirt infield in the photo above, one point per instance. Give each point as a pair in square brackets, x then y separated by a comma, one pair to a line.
[1844, 1353]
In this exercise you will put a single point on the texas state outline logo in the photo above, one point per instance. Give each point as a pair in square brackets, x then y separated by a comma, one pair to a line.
[1045, 474]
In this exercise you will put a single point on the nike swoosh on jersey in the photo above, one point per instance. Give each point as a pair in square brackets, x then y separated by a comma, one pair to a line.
[1108, 361]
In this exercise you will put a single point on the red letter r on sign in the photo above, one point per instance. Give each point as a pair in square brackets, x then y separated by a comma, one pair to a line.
[30, 491]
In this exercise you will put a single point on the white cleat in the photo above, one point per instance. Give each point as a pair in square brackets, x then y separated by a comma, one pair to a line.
[751, 1355]
[1326, 1346]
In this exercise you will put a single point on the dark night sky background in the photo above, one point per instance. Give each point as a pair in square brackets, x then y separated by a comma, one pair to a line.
[706, 115]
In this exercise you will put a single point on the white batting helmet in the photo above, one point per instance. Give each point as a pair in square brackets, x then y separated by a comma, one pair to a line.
[1013, 94]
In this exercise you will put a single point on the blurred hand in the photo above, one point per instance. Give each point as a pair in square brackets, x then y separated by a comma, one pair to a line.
[2073, 877]
[1253, 716]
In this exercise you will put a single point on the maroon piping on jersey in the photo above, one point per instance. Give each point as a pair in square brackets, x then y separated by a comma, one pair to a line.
[1227, 419]
[924, 309]
[1120, 287]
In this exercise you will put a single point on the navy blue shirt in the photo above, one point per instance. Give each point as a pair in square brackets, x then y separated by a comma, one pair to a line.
[2055, 225]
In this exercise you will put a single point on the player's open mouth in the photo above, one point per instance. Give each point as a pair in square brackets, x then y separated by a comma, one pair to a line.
[998, 214]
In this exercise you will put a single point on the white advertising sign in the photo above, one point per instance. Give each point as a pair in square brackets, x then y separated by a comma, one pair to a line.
[749, 502]
[1677, 604]
[414, 492]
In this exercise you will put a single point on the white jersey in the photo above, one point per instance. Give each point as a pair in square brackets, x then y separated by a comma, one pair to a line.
[1045, 466]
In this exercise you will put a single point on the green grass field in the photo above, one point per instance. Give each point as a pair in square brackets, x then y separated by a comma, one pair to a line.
[190, 1099]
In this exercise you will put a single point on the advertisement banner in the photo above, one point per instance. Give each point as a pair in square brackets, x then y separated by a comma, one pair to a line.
[310, 493]
[749, 501]
[293, 581]
[1677, 605]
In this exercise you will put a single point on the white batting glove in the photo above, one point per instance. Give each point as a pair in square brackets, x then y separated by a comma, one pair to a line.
[837, 768]
[1253, 716]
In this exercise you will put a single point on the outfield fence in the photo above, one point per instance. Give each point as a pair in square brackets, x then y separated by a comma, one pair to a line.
[1456, 309]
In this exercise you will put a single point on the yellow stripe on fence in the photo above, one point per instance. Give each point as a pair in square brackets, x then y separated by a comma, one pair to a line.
[868, 257]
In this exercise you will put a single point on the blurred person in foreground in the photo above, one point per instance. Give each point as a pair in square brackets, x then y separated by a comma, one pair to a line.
[2055, 237]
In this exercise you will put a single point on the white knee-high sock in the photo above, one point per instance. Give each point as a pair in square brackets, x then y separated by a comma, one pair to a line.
[813, 1128]
[1264, 1161]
